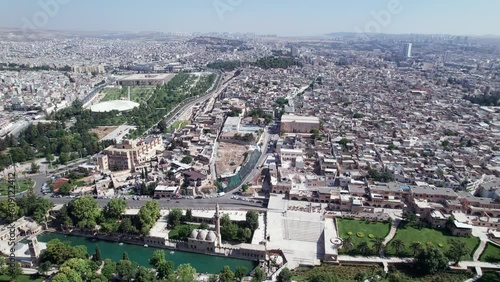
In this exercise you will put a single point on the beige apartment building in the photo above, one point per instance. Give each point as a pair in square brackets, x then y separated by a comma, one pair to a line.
[299, 124]
[131, 153]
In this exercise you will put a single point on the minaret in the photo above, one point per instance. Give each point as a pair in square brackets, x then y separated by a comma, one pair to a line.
[129, 93]
[217, 224]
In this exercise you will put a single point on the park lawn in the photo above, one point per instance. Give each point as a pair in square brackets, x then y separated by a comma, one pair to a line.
[24, 184]
[409, 234]
[174, 233]
[379, 229]
[23, 278]
[347, 273]
[179, 124]
[137, 94]
[491, 253]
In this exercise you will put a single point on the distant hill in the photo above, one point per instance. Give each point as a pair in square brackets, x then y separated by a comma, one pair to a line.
[208, 40]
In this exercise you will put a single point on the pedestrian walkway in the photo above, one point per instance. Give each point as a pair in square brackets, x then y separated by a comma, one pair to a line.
[390, 236]
[480, 249]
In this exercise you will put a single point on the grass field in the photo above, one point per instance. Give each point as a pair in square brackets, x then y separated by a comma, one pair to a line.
[24, 185]
[181, 231]
[378, 229]
[137, 94]
[347, 273]
[491, 253]
[410, 234]
[179, 124]
[23, 278]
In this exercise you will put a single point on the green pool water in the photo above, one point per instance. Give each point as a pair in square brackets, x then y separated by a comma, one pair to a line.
[112, 250]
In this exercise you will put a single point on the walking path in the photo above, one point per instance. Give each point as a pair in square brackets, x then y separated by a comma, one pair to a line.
[390, 236]
[480, 249]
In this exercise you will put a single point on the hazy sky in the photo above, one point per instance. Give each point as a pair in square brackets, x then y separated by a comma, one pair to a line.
[283, 17]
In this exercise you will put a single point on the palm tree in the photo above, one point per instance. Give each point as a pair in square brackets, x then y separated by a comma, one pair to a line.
[379, 245]
[416, 247]
[398, 245]
[364, 248]
[348, 244]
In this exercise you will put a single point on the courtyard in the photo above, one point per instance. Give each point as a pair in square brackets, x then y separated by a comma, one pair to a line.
[426, 236]
[361, 231]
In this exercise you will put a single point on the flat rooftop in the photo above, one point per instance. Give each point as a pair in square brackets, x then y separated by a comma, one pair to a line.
[303, 119]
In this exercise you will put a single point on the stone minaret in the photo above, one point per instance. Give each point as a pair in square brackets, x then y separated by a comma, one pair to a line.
[34, 249]
[217, 224]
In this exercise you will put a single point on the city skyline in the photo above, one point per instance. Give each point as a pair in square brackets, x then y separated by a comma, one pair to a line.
[297, 18]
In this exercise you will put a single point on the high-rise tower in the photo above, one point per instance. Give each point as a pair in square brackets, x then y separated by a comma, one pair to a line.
[407, 50]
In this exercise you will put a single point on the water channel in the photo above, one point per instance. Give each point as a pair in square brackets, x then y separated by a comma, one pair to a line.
[140, 254]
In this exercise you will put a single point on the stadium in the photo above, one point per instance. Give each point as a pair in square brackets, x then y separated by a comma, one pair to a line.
[119, 105]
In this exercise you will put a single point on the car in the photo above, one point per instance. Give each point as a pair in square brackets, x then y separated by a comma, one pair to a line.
[177, 201]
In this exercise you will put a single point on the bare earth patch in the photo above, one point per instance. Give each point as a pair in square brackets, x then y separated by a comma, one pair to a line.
[229, 157]
[102, 131]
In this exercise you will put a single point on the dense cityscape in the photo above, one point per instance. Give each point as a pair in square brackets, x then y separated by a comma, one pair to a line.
[224, 156]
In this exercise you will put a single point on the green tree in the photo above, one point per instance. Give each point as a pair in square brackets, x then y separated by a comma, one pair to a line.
[258, 275]
[252, 220]
[125, 256]
[187, 160]
[213, 278]
[44, 267]
[84, 211]
[431, 260]
[398, 245]
[84, 267]
[244, 187]
[240, 272]
[244, 235]
[457, 250]
[226, 275]
[97, 255]
[108, 269]
[323, 277]
[225, 220]
[162, 126]
[174, 217]
[189, 216]
[364, 248]
[229, 232]
[348, 244]
[115, 208]
[203, 225]
[157, 258]
[378, 245]
[148, 215]
[416, 247]
[285, 275]
[145, 275]
[360, 277]
[9, 211]
[489, 277]
[184, 273]
[126, 226]
[165, 269]
[126, 270]
[410, 217]
[15, 270]
[35, 168]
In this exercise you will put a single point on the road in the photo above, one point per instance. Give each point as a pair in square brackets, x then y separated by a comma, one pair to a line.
[177, 111]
